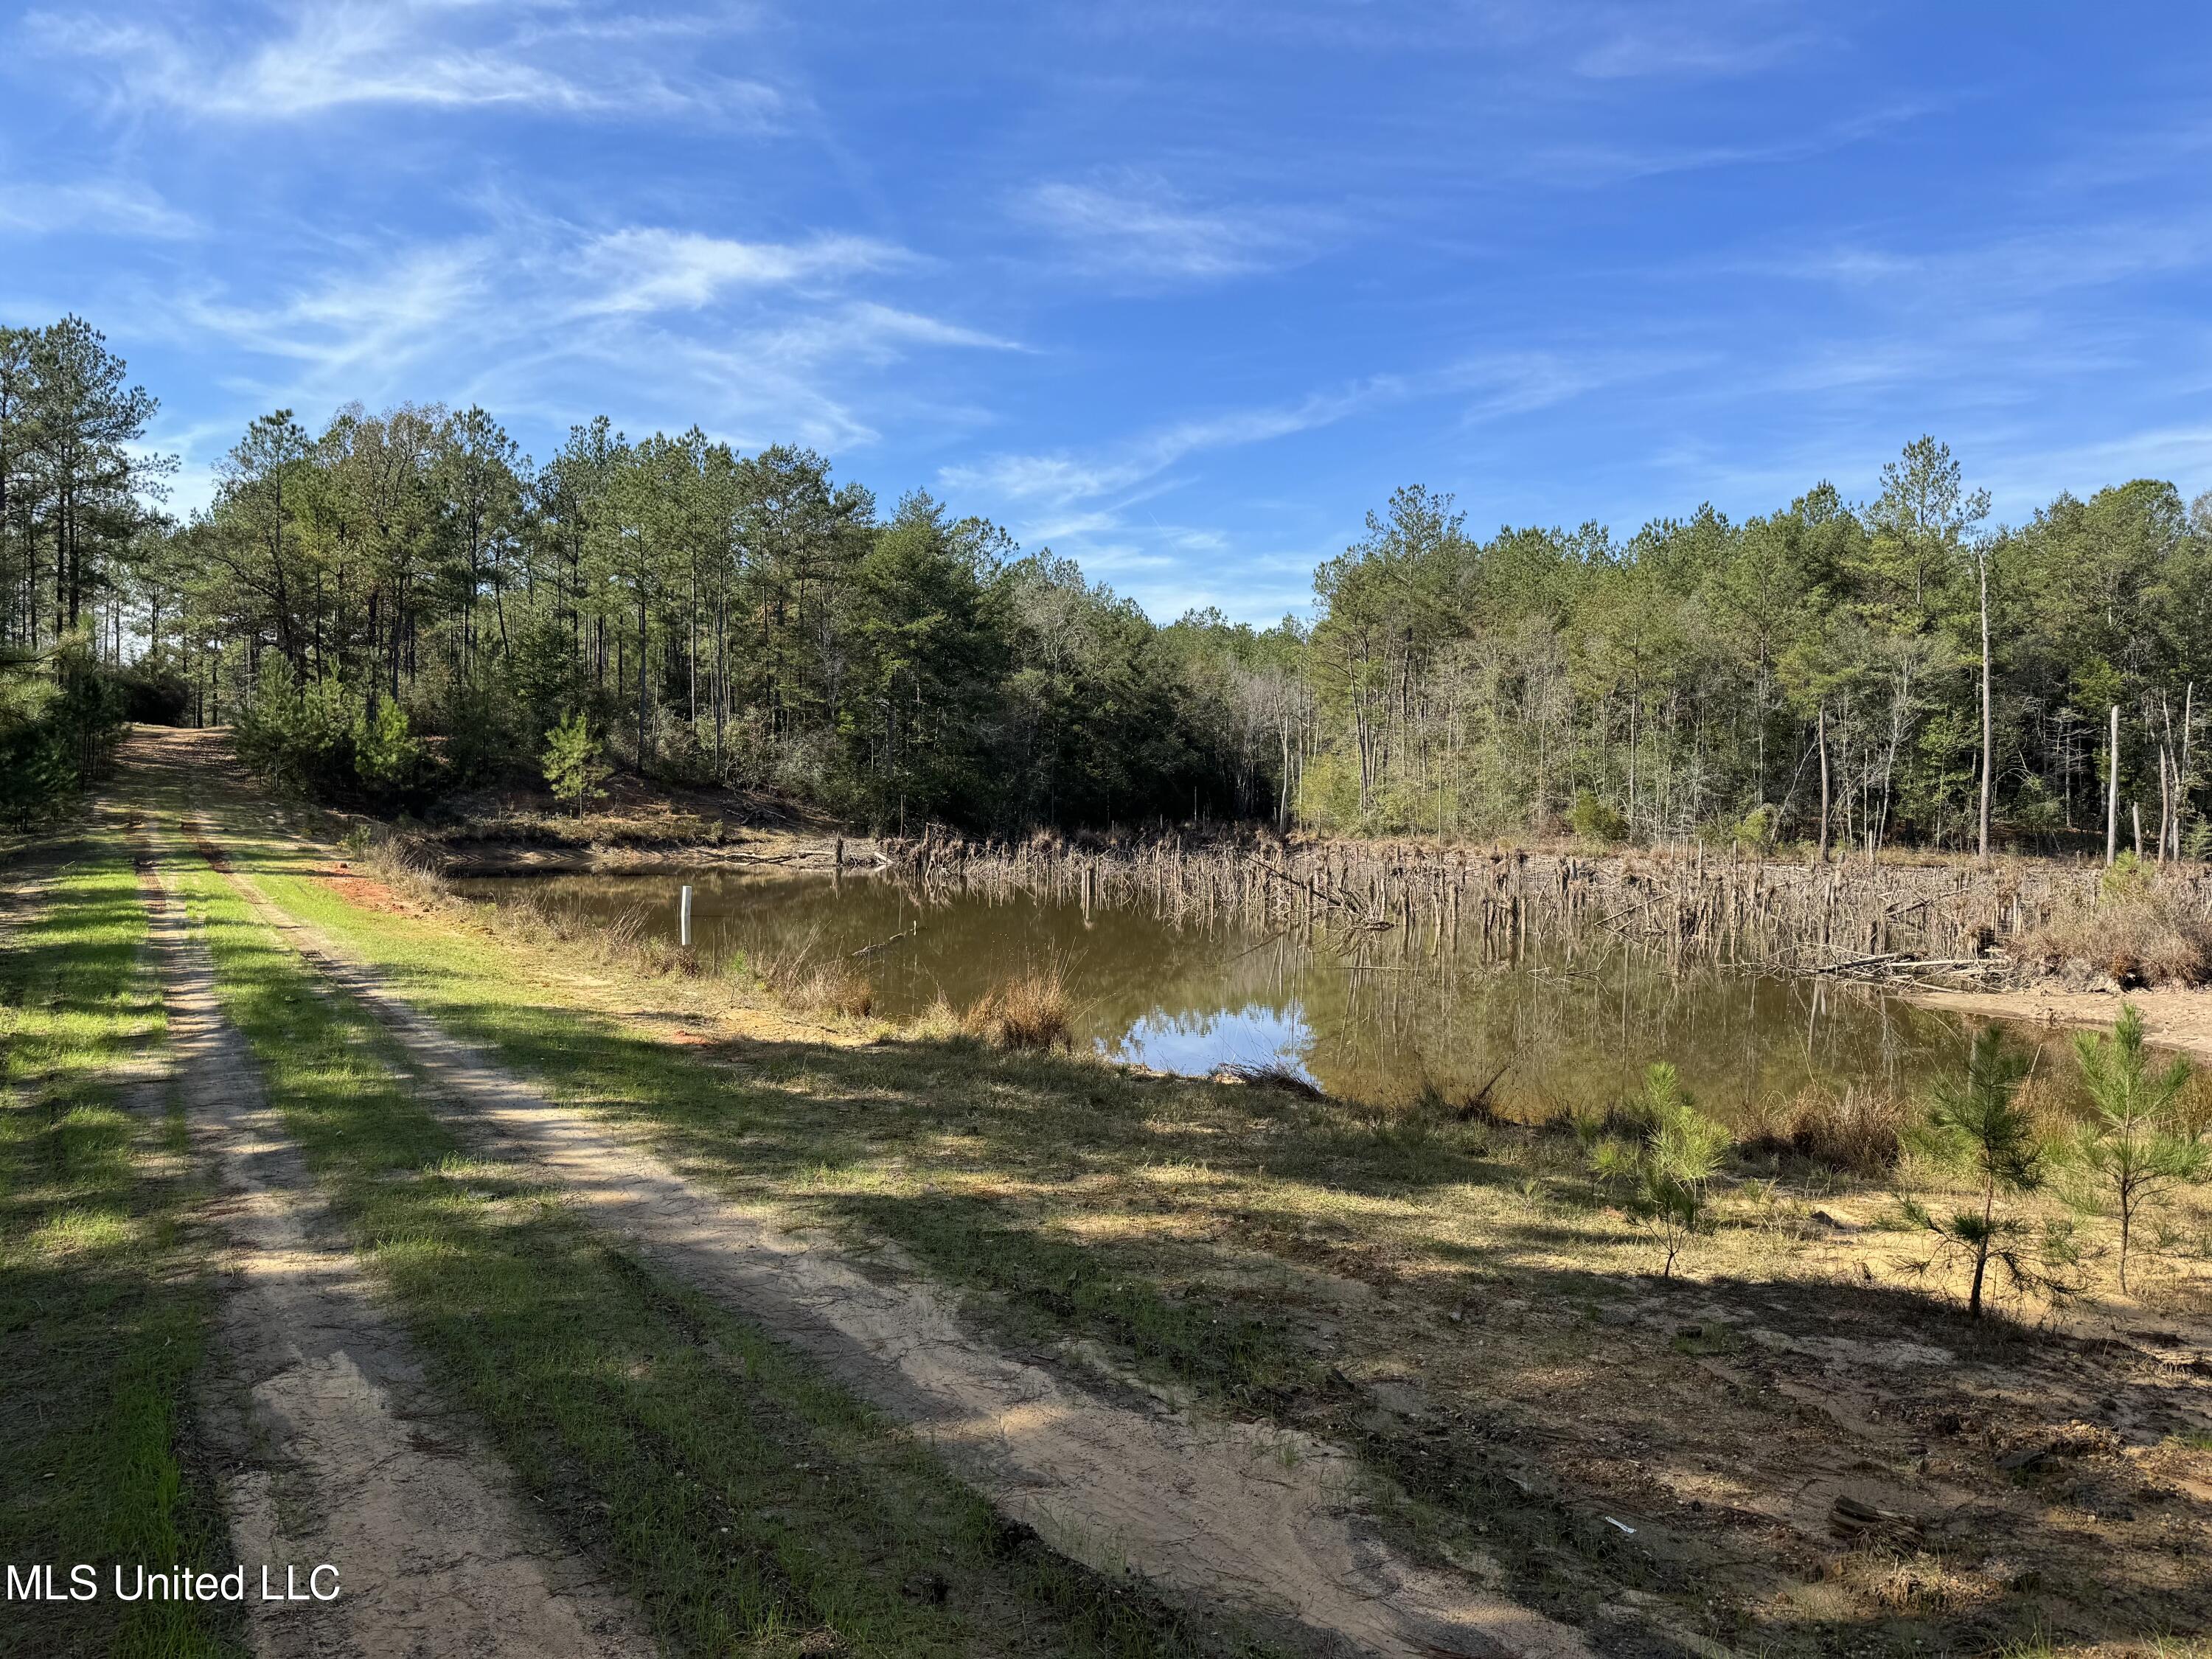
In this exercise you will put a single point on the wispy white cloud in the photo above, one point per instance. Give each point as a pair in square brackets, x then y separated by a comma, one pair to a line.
[2026, 263]
[1103, 505]
[1058, 481]
[1490, 386]
[866, 330]
[1133, 225]
[1604, 40]
[1098, 506]
[100, 206]
[656, 269]
[1692, 37]
[1685, 52]
[758, 341]
[365, 320]
[2098, 162]
[1625, 162]
[2023, 475]
[329, 57]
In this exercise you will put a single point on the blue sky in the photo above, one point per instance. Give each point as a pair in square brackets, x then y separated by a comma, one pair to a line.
[1181, 290]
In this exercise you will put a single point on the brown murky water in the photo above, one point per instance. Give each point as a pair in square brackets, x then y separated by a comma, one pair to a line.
[1371, 1019]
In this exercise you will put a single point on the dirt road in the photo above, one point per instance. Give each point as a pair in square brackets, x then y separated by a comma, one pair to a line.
[336, 1451]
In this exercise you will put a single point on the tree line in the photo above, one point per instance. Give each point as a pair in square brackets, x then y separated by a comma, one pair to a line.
[79, 498]
[402, 603]
[1896, 669]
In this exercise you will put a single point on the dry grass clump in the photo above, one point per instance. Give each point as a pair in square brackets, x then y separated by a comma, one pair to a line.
[1628, 1120]
[805, 981]
[836, 988]
[939, 1020]
[1274, 1074]
[407, 870]
[2052, 1098]
[1908, 1580]
[1860, 1132]
[665, 957]
[1030, 1010]
[2134, 936]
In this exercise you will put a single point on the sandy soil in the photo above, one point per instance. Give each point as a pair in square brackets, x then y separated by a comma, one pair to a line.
[2173, 1018]
[1267, 1519]
[333, 1450]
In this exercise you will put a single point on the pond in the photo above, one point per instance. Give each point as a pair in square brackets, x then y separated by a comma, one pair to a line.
[1371, 1019]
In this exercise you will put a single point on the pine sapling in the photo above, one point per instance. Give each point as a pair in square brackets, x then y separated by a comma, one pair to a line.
[575, 763]
[2136, 1149]
[1976, 1123]
[1667, 1173]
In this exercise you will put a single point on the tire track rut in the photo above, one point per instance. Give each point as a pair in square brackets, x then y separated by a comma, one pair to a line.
[334, 1449]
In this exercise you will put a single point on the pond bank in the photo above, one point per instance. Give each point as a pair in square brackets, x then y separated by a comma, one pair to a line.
[467, 860]
[2174, 1018]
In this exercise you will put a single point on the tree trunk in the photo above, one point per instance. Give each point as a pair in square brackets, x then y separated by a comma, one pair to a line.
[1989, 742]
[2181, 772]
[2112, 794]
[1822, 738]
[2127, 1226]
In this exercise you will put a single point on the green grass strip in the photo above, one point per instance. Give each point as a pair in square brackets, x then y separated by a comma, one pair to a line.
[104, 1306]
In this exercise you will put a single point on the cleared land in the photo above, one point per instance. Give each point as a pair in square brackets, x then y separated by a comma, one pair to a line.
[1796, 1446]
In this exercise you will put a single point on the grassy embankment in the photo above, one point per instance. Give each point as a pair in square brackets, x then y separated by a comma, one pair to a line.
[749, 1507]
[105, 1300]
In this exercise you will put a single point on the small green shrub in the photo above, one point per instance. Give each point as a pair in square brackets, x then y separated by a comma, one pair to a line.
[2126, 879]
[575, 763]
[60, 718]
[1758, 829]
[2137, 1148]
[1664, 1176]
[1595, 820]
[387, 757]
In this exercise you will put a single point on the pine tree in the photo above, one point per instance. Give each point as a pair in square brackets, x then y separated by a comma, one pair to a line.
[1667, 1173]
[575, 761]
[1977, 1123]
[2137, 1148]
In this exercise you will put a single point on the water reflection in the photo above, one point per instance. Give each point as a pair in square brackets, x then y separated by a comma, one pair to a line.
[1189, 1040]
[1371, 1019]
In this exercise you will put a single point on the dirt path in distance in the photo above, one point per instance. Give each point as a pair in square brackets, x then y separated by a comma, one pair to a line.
[333, 1450]
[1263, 1519]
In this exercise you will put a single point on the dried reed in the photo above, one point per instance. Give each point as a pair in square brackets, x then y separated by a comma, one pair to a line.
[2158, 935]
[1030, 1010]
